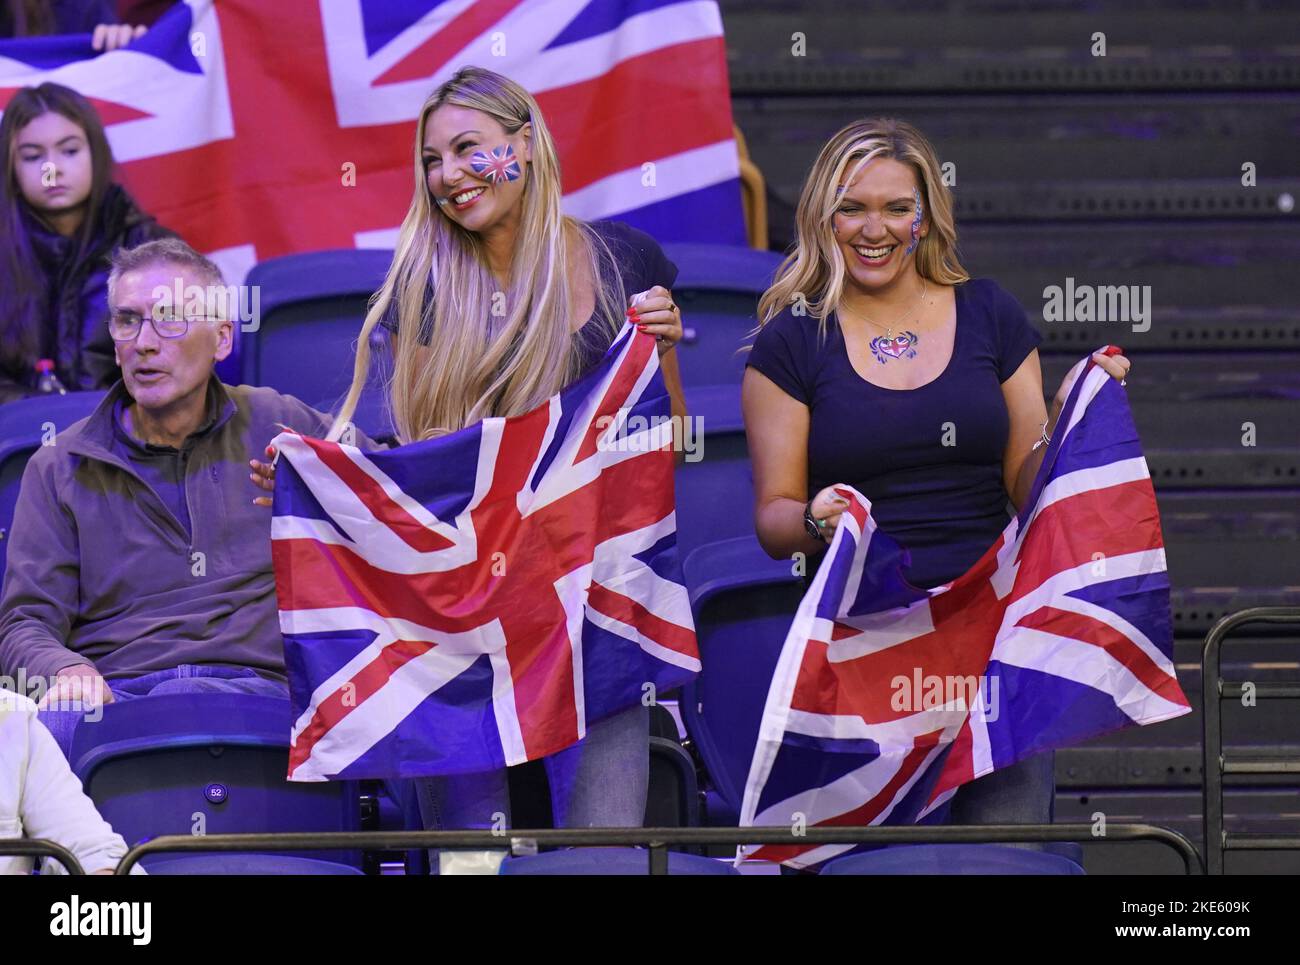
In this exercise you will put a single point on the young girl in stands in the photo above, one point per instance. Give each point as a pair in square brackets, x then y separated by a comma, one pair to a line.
[485, 219]
[880, 364]
[61, 216]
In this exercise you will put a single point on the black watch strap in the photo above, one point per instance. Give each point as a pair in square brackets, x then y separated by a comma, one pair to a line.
[810, 524]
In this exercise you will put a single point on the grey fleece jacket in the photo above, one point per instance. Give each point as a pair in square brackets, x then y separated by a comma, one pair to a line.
[100, 571]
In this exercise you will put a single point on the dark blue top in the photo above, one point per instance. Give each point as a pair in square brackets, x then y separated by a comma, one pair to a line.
[945, 504]
[642, 264]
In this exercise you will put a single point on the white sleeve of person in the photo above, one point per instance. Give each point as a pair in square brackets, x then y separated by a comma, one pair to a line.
[40, 797]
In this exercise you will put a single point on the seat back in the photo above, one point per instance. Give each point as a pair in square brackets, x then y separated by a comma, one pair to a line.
[952, 859]
[743, 602]
[209, 763]
[673, 797]
[715, 495]
[717, 287]
[247, 864]
[24, 426]
[311, 309]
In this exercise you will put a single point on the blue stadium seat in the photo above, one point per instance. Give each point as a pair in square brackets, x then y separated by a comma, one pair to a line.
[674, 794]
[23, 425]
[205, 763]
[715, 495]
[312, 307]
[717, 287]
[610, 861]
[952, 859]
[743, 603]
[248, 864]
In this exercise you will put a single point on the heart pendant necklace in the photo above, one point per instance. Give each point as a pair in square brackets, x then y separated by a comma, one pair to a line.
[900, 346]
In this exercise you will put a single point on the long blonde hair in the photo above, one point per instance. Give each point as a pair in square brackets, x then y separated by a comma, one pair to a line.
[814, 271]
[490, 353]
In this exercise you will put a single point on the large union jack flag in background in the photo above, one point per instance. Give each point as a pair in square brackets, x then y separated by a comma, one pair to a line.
[887, 697]
[238, 121]
[476, 600]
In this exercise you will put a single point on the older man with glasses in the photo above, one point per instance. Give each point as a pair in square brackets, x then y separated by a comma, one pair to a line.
[138, 563]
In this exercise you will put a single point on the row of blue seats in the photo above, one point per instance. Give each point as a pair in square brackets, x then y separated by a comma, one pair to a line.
[311, 307]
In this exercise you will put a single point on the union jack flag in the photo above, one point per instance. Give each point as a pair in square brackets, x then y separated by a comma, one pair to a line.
[262, 129]
[476, 600]
[499, 164]
[887, 698]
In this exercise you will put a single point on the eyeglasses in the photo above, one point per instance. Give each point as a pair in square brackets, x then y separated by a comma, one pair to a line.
[125, 326]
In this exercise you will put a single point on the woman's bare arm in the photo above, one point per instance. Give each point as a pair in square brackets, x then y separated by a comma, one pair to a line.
[1023, 393]
[777, 429]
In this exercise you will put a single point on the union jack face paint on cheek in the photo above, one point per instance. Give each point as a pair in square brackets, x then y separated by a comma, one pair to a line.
[915, 223]
[497, 165]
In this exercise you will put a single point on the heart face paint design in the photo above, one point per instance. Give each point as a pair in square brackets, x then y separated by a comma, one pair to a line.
[916, 222]
[498, 165]
[901, 346]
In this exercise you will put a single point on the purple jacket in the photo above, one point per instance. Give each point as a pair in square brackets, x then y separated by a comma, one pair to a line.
[75, 313]
[100, 571]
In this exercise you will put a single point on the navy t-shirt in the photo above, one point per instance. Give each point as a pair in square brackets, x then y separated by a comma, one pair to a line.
[641, 264]
[946, 504]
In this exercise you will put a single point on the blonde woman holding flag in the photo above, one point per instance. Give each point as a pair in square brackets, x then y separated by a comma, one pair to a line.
[882, 365]
[495, 301]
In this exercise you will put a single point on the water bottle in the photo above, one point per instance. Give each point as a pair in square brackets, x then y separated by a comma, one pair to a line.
[47, 383]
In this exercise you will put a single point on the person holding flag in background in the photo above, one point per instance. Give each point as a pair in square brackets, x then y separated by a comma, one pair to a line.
[881, 366]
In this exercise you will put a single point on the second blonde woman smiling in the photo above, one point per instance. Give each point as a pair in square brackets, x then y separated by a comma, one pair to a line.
[882, 365]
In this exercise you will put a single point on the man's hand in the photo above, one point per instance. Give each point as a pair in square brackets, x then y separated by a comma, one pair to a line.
[81, 683]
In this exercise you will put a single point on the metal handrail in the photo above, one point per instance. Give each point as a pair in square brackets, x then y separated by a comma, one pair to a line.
[1214, 691]
[658, 840]
[42, 848]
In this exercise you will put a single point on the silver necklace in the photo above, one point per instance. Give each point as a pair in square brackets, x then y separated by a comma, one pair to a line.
[891, 346]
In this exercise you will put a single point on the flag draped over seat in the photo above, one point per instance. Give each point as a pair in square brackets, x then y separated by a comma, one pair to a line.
[887, 697]
[478, 599]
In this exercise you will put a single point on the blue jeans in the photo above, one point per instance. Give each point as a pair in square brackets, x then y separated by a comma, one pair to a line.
[185, 679]
[601, 781]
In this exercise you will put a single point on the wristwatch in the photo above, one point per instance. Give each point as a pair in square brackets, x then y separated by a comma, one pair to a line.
[810, 524]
